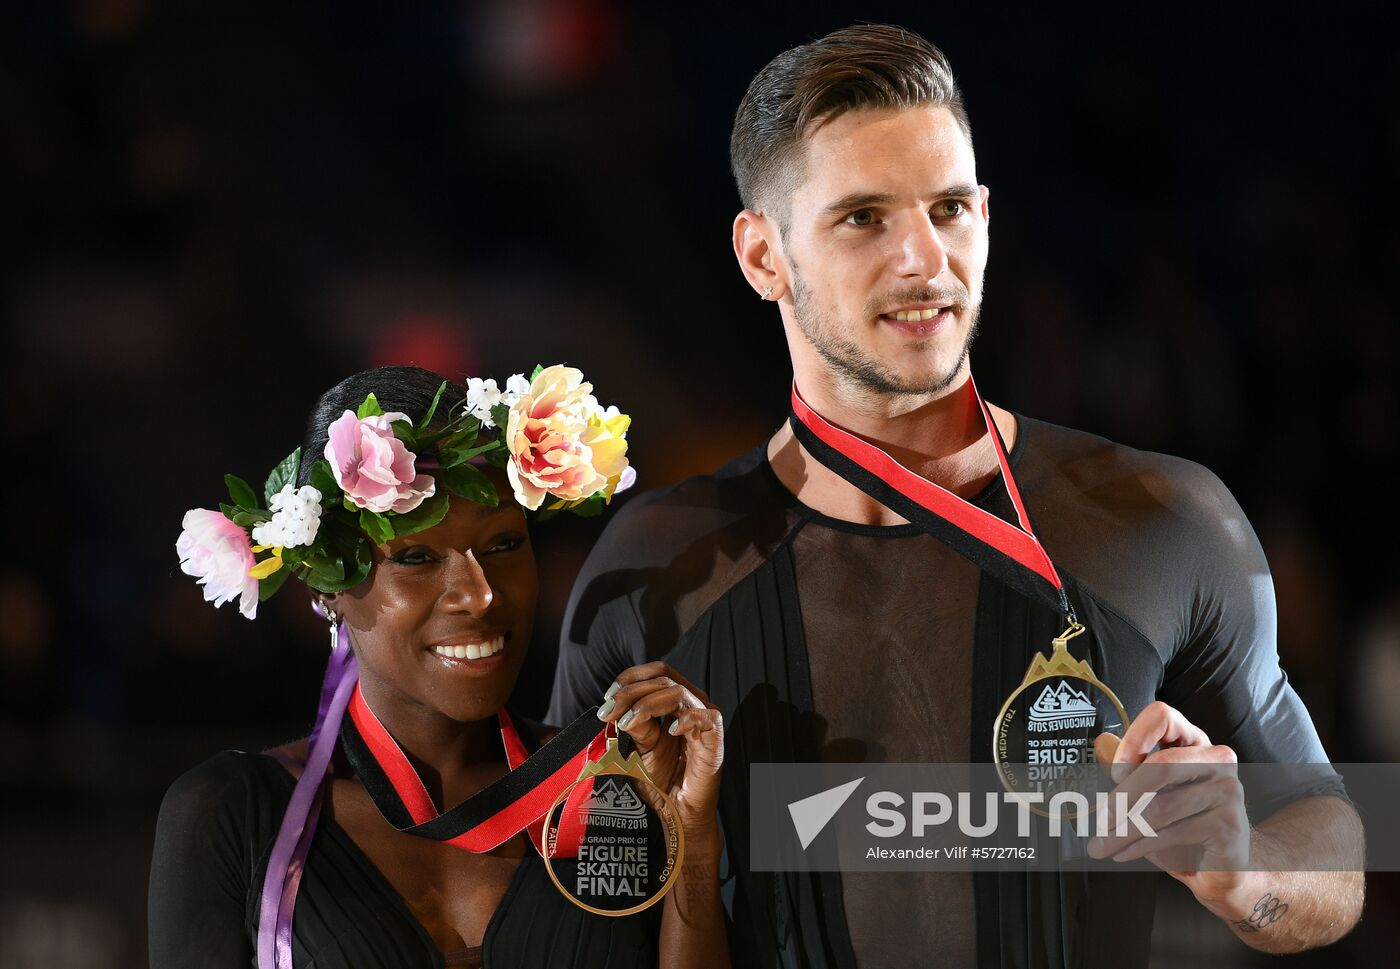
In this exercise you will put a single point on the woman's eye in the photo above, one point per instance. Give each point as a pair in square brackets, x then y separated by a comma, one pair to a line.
[861, 217]
[507, 544]
[411, 556]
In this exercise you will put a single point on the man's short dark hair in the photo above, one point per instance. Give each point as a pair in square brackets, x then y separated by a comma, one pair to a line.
[866, 66]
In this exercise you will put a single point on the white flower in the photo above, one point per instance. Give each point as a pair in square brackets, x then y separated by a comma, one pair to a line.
[482, 395]
[295, 519]
[516, 387]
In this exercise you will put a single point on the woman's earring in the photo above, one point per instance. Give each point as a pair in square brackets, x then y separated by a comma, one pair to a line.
[329, 614]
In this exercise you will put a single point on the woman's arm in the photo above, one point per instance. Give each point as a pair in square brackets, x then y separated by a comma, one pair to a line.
[197, 894]
[684, 760]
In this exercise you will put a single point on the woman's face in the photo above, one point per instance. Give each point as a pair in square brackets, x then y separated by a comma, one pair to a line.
[467, 585]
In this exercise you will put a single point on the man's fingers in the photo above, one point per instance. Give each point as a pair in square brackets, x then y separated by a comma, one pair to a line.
[1157, 725]
[1176, 766]
[1166, 809]
[1105, 746]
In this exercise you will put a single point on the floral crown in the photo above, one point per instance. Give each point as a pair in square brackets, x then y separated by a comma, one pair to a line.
[560, 449]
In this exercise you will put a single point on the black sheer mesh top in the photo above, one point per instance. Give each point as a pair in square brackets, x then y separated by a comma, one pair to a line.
[215, 833]
[826, 640]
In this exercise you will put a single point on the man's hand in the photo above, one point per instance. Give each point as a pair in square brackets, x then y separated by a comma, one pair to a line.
[1293, 882]
[1197, 808]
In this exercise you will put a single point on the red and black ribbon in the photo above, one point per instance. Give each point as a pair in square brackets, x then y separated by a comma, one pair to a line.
[1012, 554]
[492, 816]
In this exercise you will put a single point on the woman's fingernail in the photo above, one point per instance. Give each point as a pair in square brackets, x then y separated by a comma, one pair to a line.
[675, 728]
[627, 718]
[606, 709]
[611, 690]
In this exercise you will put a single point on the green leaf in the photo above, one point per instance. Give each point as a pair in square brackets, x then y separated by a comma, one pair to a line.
[338, 578]
[403, 430]
[376, 526]
[451, 457]
[323, 560]
[547, 511]
[364, 561]
[536, 372]
[426, 515]
[590, 507]
[323, 480]
[499, 457]
[432, 409]
[268, 587]
[248, 517]
[240, 491]
[370, 408]
[282, 475]
[467, 481]
[228, 510]
[501, 415]
[463, 428]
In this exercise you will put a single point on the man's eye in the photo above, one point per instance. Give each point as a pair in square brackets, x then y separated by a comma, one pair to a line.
[861, 217]
[949, 209]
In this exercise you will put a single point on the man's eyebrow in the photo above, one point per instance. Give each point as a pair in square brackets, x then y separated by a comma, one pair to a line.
[959, 192]
[854, 201]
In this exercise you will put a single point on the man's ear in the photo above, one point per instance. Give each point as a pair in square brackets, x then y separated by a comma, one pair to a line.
[758, 247]
[986, 208]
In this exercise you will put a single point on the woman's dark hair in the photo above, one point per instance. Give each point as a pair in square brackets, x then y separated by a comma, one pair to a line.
[409, 390]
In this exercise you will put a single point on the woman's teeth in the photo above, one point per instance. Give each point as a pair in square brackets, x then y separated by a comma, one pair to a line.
[472, 650]
[912, 316]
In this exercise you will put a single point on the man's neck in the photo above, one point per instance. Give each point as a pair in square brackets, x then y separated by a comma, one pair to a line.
[943, 438]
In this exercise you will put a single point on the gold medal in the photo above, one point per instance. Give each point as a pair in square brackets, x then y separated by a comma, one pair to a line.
[1043, 738]
[612, 841]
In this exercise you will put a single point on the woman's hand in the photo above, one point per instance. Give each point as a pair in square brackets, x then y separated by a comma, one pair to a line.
[680, 735]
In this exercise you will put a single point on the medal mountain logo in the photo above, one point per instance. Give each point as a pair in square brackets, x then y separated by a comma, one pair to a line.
[1061, 708]
[612, 798]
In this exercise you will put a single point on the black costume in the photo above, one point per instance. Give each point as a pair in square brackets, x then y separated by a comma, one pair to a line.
[825, 640]
[216, 830]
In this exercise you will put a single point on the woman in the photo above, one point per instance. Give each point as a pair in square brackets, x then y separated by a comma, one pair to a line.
[414, 542]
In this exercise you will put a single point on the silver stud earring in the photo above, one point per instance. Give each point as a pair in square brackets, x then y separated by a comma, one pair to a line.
[334, 620]
[768, 292]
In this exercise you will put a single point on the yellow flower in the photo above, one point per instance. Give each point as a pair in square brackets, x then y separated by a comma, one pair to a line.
[561, 442]
[268, 565]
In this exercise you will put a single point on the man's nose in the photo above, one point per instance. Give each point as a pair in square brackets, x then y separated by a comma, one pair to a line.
[466, 587]
[922, 254]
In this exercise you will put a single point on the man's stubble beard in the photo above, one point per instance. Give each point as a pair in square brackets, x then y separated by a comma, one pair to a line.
[869, 375]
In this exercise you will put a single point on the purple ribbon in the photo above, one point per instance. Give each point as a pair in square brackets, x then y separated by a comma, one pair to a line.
[289, 850]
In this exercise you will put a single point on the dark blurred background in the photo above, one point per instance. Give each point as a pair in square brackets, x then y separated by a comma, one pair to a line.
[211, 212]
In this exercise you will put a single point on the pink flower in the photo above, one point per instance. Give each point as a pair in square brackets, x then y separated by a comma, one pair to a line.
[372, 466]
[561, 442]
[216, 552]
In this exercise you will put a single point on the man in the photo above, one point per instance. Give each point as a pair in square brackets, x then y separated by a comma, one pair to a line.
[827, 627]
